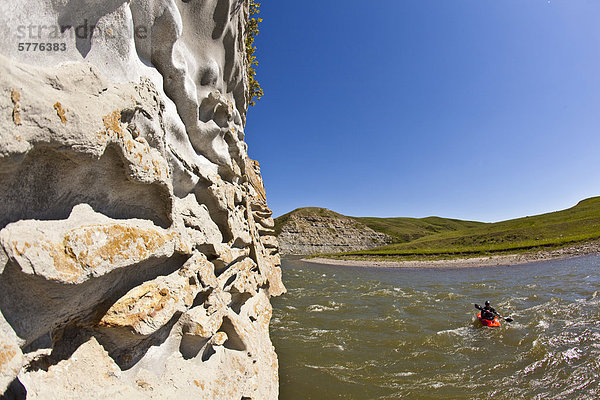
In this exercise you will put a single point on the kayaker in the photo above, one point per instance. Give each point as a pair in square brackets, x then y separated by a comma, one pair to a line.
[488, 315]
[488, 312]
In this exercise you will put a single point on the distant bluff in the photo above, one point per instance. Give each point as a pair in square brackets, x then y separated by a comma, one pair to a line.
[312, 230]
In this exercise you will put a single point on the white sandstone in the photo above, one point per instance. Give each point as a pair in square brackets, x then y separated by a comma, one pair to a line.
[137, 254]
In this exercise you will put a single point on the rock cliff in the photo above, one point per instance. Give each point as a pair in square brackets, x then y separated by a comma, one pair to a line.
[311, 230]
[137, 251]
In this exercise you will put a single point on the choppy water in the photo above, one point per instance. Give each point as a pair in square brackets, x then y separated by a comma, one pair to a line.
[360, 333]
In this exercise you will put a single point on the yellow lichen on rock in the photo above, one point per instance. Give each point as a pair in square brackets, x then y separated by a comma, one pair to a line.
[72, 251]
[61, 112]
[219, 339]
[145, 162]
[15, 96]
[199, 384]
[112, 123]
[64, 262]
[140, 304]
[6, 355]
[113, 243]
[156, 166]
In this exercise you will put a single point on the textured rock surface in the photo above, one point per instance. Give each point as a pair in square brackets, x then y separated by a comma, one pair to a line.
[137, 252]
[312, 230]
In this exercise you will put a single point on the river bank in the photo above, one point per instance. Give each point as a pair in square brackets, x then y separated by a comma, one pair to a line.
[471, 262]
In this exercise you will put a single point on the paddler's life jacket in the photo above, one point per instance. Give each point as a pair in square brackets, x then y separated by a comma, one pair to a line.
[488, 313]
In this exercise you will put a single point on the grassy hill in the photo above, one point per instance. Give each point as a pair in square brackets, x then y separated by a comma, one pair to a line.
[577, 224]
[408, 229]
[401, 229]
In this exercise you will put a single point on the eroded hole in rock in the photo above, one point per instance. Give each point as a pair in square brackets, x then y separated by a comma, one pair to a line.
[191, 346]
[265, 287]
[67, 341]
[221, 117]
[229, 281]
[48, 183]
[234, 341]
[238, 300]
[221, 267]
[206, 110]
[43, 342]
[208, 353]
[201, 298]
[209, 256]
[239, 243]
[40, 363]
[36, 307]
[15, 391]
[127, 348]
[253, 255]
[209, 74]
[128, 115]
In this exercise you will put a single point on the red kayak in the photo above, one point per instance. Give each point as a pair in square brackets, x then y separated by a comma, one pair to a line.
[487, 322]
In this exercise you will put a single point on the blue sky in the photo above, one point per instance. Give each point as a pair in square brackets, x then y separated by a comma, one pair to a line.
[472, 109]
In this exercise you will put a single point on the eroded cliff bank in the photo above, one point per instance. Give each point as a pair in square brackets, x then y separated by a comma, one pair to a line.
[137, 251]
[312, 230]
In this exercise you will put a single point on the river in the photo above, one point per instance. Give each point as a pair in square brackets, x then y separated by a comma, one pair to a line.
[365, 333]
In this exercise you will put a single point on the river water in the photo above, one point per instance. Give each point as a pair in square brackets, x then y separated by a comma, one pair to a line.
[364, 333]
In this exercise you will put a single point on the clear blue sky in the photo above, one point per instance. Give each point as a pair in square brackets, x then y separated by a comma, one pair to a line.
[473, 109]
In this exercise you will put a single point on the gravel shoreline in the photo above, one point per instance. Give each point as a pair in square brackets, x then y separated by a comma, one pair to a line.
[492, 261]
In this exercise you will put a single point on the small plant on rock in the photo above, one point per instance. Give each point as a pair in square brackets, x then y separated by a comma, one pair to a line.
[255, 92]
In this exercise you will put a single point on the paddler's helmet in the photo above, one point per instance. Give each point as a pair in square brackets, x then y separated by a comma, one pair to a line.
[487, 302]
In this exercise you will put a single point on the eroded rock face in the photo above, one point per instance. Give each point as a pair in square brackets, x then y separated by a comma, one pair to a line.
[308, 231]
[137, 252]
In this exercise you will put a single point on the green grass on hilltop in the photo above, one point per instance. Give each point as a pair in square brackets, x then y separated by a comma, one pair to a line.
[400, 229]
[435, 237]
[577, 224]
[408, 229]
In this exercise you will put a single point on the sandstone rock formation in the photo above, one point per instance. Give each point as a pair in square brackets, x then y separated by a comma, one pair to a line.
[137, 252]
[311, 230]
